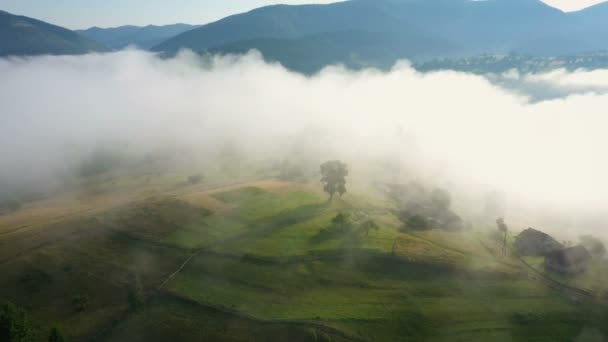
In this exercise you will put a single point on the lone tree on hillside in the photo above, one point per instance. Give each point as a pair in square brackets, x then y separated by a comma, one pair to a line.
[333, 177]
[504, 230]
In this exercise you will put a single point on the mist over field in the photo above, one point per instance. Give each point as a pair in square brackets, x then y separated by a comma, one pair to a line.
[454, 129]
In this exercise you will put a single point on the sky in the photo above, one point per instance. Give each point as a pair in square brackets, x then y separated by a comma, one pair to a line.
[79, 14]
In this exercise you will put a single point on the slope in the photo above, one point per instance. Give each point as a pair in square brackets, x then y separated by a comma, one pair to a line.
[21, 35]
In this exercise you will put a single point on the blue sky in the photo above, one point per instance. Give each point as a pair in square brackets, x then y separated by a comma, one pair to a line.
[76, 14]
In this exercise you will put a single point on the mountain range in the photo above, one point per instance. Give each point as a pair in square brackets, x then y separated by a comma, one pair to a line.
[378, 32]
[356, 33]
[21, 35]
[141, 37]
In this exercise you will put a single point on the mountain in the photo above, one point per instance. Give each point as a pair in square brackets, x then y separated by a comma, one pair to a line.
[21, 35]
[354, 49]
[309, 36]
[284, 22]
[143, 37]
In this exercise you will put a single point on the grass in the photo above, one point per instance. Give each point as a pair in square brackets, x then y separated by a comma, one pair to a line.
[253, 207]
[172, 319]
[594, 279]
[360, 286]
[268, 270]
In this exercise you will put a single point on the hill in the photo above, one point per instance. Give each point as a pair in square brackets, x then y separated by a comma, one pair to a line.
[449, 28]
[21, 35]
[117, 38]
[235, 259]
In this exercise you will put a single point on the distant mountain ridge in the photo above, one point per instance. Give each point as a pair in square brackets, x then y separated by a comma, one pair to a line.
[340, 32]
[356, 33]
[20, 35]
[145, 37]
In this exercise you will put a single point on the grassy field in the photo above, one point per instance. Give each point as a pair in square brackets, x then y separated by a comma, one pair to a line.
[594, 280]
[264, 261]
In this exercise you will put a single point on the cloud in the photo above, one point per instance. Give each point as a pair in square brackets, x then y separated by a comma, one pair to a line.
[447, 127]
[555, 84]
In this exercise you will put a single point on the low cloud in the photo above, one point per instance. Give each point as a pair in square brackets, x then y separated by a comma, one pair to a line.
[445, 127]
[555, 84]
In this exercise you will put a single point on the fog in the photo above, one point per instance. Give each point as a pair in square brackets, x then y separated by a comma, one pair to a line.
[554, 84]
[453, 129]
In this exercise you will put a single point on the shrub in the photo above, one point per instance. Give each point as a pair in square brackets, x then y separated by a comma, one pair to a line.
[417, 222]
[56, 335]
[80, 303]
[14, 324]
[195, 179]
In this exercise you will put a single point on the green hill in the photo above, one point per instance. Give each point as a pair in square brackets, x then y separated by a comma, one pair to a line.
[265, 260]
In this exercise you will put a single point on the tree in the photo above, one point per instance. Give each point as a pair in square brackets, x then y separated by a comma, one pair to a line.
[56, 335]
[333, 177]
[504, 230]
[14, 324]
[417, 222]
[594, 245]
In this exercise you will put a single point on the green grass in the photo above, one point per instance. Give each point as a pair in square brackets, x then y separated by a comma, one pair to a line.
[301, 238]
[594, 279]
[359, 286]
[272, 267]
[254, 208]
[173, 319]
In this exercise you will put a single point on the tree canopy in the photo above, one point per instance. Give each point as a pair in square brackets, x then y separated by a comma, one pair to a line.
[333, 177]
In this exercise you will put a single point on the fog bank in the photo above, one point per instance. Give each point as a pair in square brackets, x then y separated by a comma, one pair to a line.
[445, 127]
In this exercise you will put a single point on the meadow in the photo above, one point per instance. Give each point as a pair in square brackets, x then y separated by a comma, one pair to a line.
[262, 260]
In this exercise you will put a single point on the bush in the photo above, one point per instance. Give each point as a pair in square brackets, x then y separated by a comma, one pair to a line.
[195, 179]
[341, 226]
[14, 324]
[56, 335]
[80, 303]
[421, 209]
[417, 222]
[594, 245]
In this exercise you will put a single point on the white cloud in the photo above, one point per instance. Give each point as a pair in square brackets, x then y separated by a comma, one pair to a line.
[572, 5]
[452, 127]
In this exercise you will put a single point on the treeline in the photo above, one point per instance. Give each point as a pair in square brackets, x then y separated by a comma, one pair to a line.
[15, 326]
